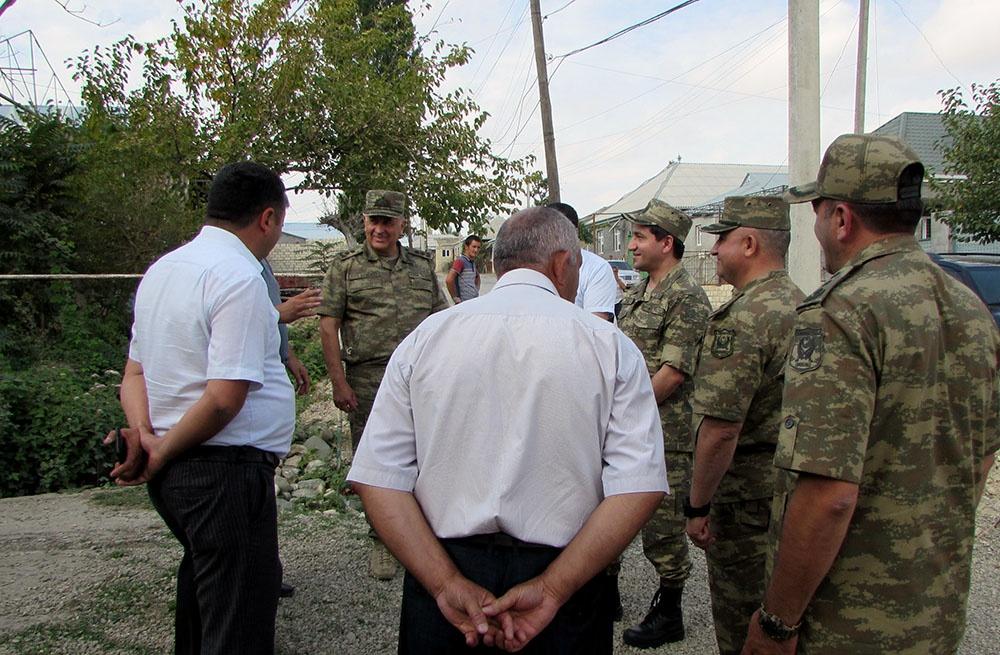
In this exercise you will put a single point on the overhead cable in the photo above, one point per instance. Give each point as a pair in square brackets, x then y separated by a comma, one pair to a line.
[630, 28]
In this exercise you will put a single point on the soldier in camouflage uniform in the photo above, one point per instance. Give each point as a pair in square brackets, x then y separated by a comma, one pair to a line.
[889, 431]
[737, 406]
[665, 315]
[373, 296]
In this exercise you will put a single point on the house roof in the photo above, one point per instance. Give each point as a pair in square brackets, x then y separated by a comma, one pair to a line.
[688, 185]
[925, 132]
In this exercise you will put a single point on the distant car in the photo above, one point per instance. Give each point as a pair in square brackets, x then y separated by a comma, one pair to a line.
[625, 272]
[981, 273]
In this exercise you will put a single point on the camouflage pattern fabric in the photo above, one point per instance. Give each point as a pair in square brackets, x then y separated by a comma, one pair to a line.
[667, 324]
[664, 541]
[740, 375]
[891, 384]
[739, 379]
[391, 204]
[379, 301]
[736, 568]
[668, 327]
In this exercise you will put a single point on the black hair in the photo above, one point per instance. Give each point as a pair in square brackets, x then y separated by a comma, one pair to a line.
[660, 234]
[900, 216]
[472, 237]
[567, 211]
[241, 191]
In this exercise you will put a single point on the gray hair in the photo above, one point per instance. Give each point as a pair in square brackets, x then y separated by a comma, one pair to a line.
[529, 238]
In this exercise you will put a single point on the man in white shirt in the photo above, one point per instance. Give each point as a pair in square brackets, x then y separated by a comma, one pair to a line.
[597, 292]
[506, 524]
[206, 395]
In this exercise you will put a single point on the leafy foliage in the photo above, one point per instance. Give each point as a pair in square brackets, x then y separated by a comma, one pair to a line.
[973, 195]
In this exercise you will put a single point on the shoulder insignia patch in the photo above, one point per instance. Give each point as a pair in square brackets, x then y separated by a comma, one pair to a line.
[807, 349]
[722, 342]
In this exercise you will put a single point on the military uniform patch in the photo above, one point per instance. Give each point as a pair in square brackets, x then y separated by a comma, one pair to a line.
[807, 349]
[722, 342]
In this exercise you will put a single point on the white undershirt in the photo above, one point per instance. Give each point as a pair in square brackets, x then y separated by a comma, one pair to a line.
[598, 290]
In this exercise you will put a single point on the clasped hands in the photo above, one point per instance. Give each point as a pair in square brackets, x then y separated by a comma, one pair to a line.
[145, 457]
[508, 622]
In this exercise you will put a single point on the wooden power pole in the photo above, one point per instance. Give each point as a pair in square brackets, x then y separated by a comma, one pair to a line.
[862, 73]
[548, 134]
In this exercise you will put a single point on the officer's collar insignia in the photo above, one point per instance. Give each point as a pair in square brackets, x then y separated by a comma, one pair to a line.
[807, 349]
[722, 342]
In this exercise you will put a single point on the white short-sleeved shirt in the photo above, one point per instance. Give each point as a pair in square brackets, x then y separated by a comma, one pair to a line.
[598, 291]
[554, 413]
[202, 312]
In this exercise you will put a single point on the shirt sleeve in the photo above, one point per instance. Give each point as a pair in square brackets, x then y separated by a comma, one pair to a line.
[683, 334]
[458, 265]
[633, 443]
[243, 330]
[334, 300]
[440, 302]
[601, 291]
[387, 454]
[829, 398]
[730, 368]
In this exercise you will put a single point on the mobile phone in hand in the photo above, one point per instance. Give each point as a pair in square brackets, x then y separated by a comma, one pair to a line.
[121, 446]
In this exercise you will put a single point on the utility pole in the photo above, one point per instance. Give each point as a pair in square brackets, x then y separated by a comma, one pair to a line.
[548, 134]
[803, 135]
[862, 74]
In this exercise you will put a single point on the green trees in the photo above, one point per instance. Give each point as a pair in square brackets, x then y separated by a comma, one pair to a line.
[972, 190]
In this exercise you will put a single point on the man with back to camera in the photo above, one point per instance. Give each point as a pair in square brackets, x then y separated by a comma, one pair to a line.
[737, 408]
[205, 393]
[463, 277]
[506, 525]
[890, 426]
[665, 315]
[373, 296]
[598, 291]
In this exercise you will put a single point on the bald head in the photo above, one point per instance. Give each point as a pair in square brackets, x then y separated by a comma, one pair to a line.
[530, 238]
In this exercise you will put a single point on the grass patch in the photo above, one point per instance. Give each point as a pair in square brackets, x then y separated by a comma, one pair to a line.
[123, 498]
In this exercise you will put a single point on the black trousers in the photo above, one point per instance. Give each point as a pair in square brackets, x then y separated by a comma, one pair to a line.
[583, 626]
[219, 504]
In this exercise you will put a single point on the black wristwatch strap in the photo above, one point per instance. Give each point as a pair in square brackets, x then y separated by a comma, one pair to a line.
[775, 628]
[695, 512]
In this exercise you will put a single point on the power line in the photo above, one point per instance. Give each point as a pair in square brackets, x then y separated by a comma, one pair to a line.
[630, 28]
[928, 41]
[553, 13]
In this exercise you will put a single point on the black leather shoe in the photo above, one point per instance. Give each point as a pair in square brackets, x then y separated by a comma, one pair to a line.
[663, 624]
[287, 590]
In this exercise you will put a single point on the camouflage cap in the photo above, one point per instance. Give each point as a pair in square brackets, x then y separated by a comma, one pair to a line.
[660, 214]
[391, 204]
[862, 168]
[760, 212]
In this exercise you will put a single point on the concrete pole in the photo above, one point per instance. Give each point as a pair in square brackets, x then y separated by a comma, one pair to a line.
[862, 74]
[548, 134]
[803, 135]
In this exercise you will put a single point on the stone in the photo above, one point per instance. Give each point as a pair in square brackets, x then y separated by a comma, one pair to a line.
[330, 512]
[290, 472]
[306, 492]
[284, 505]
[294, 460]
[297, 449]
[319, 485]
[318, 446]
[315, 465]
[282, 485]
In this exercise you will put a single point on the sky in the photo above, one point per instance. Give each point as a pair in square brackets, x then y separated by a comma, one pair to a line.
[707, 83]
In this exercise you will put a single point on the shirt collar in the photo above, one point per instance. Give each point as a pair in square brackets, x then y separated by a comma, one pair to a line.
[226, 239]
[526, 276]
[887, 246]
[404, 256]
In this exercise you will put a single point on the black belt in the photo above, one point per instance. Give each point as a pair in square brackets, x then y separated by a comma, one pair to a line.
[242, 454]
[497, 540]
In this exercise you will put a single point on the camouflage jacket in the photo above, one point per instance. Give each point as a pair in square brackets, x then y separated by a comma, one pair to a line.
[668, 327]
[379, 301]
[739, 378]
[891, 384]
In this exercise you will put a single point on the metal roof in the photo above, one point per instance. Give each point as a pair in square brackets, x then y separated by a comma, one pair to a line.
[925, 132]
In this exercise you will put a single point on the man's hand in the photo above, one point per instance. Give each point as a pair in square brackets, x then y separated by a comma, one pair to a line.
[523, 612]
[298, 371]
[145, 457]
[699, 532]
[344, 397]
[299, 305]
[758, 643]
[461, 602]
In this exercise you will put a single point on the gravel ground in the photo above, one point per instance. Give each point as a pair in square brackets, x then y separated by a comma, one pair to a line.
[92, 572]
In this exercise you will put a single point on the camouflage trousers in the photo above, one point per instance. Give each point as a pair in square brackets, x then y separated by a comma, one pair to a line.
[736, 564]
[664, 540]
[364, 379]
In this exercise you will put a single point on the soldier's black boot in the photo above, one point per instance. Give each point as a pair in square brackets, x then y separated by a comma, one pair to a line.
[663, 624]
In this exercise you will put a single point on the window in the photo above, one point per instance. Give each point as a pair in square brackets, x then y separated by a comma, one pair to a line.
[618, 239]
[446, 253]
[925, 228]
[698, 235]
[600, 240]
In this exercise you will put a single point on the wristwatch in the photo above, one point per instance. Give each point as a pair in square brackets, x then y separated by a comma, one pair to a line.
[695, 512]
[775, 628]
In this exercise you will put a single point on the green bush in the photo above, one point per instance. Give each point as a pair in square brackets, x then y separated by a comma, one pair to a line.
[52, 420]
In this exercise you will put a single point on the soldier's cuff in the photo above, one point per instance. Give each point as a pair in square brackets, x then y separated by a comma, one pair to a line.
[678, 358]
